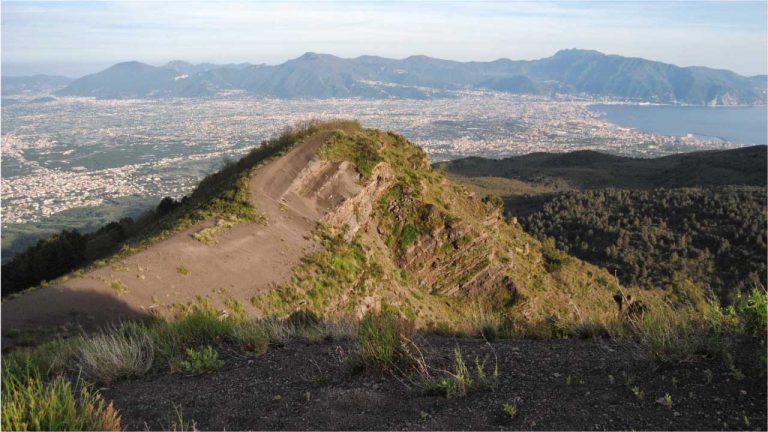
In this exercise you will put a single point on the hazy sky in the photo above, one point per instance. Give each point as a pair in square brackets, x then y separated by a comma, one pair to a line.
[75, 38]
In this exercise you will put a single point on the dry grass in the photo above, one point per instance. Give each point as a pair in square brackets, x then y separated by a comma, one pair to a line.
[111, 356]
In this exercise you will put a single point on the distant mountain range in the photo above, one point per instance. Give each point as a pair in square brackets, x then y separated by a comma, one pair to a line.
[326, 76]
[13, 85]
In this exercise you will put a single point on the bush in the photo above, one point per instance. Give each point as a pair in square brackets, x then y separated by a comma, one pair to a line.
[383, 342]
[752, 310]
[304, 319]
[670, 335]
[30, 404]
[194, 329]
[554, 259]
[252, 336]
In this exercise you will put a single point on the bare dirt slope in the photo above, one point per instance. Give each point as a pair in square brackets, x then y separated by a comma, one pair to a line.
[293, 193]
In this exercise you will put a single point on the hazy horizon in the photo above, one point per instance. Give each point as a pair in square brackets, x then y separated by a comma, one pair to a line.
[77, 38]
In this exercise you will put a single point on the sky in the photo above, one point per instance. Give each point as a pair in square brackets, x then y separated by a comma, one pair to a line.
[76, 38]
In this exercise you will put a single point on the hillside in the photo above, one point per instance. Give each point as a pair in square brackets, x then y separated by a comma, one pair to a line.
[315, 75]
[332, 279]
[390, 230]
[695, 219]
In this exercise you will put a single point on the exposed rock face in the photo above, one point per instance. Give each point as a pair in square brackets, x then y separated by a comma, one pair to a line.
[453, 257]
[441, 253]
[356, 211]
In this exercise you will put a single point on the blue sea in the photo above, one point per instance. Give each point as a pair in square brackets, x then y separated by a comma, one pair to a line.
[741, 125]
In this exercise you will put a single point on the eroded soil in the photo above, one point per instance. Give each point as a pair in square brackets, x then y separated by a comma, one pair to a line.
[292, 193]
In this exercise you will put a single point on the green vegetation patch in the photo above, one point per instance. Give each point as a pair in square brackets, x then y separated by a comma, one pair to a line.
[31, 403]
[384, 342]
[359, 147]
[201, 361]
[714, 238]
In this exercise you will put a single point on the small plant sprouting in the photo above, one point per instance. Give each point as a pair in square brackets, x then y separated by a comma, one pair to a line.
[637, 392]
[674, 381]
[568, 380]
[628, 379]
[118, 286]
[667, 400]
[510, 409]
[183, 271]
[460, 381]
[200, 361]
[746, 421]
[733, 370]
[180, 424]
[611, 379]
[708, 375]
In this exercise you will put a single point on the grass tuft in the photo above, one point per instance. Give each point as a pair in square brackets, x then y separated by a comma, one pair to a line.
[383, 342]
[31, 404]
[110, 356]
[460, 381]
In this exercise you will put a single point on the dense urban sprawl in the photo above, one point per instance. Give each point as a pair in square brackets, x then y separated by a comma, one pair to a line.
[76, 152]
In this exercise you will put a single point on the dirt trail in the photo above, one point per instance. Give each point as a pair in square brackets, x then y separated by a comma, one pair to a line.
[293, 193]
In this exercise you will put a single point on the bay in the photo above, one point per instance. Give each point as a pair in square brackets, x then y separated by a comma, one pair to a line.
[741, 125]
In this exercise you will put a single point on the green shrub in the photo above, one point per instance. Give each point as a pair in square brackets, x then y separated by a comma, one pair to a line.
[30, 404]
[201, 361]
[670, 335]
[494, 200]
[752, 310]
[304, 319]
[252, 336]
[194, 329]
[489, 332]
[408, 236]
[554, 259]
[118, 286]
[510, 409]
[383, 342]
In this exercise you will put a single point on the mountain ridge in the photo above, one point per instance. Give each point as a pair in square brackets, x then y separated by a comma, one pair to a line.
[315, 75]
[342, 222]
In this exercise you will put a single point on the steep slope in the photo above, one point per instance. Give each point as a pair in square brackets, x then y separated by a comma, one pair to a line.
[247, 258]
[327, 76]
[686, 223]
[390, 230]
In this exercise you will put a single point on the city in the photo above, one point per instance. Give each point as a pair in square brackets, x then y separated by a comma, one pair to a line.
[80, 152]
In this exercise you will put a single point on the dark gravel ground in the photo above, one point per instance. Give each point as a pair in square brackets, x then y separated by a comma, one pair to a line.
[555, 385]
